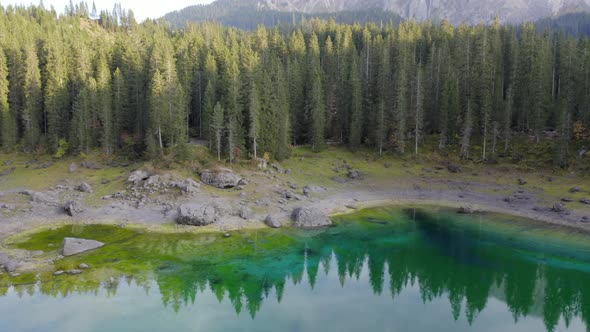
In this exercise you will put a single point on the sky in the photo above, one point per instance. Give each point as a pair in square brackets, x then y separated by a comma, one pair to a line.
[142, 8]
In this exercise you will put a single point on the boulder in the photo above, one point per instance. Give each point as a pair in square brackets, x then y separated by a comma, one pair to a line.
[567, 199]
[245, 213]
[288, 194]
[306, 217]
[8, 263]
[188, 186]
[585, 219]
[73, 208]
[73, 167]
[138, 176]
[355, 175]
[575, 190]
[522, 182]
[83, 266]
[91, 165]
[84, 187]
[273, 222]
[221, 178]
[585, 201]
[198, 215]
[58, 273]
[74, 272]
[73, 246]
[558, 208]
[466, 209]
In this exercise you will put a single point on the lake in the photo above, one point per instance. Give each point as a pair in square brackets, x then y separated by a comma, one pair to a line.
[384, 269]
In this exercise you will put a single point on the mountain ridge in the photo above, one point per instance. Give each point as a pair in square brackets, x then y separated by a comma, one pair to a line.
[456, 11]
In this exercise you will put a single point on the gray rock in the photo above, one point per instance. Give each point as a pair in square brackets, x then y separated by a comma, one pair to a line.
[83, 266]
[278, 168]
[466, 209]
[387, 165]
[575, 190]
[91, 165]
[307, 217]
[308, 190]
[8, 207]
[288, 194]
[73, 246]
[188, 186]
[339, 179]
[272, 221]
[138, 176]
[221, 178]
[585, 219]
[44, 198]
[73, 167]
[522, 182]
[355, 175]
[10, 265]
[245, 213]
[567, 200]
[44, 166]
[58, 273]
[153, 181]
[585, 201]
[84, 187]
[198, 215]
[72, 208]
[558, 208]
[74, 272]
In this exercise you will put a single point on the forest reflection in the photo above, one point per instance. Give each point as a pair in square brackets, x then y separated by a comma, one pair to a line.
[467, 266]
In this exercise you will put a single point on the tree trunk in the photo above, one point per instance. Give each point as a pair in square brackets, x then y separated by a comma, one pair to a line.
[160, 138]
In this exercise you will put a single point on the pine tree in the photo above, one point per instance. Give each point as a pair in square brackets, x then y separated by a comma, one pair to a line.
[82, 110]
[356, 120]
[254, 109]
[104, 105]
[316, 106]
[33, 98]
[119, 96]
[217, 127]
[419, 107]
[8, 126]
[157, 115]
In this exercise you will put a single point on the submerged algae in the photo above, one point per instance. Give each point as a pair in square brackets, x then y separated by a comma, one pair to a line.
[534, 268]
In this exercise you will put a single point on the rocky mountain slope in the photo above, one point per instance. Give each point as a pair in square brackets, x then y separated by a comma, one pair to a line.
[457, 11]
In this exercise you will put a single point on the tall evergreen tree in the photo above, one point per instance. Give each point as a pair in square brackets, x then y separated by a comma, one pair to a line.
[8, 126]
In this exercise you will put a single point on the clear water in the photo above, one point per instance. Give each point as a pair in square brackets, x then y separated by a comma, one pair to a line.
[379, 270]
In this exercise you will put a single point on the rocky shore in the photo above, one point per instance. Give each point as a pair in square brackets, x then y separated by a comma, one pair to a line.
[222, 200]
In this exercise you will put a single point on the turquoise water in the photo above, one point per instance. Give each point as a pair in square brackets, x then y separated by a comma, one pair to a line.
[379, 270]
